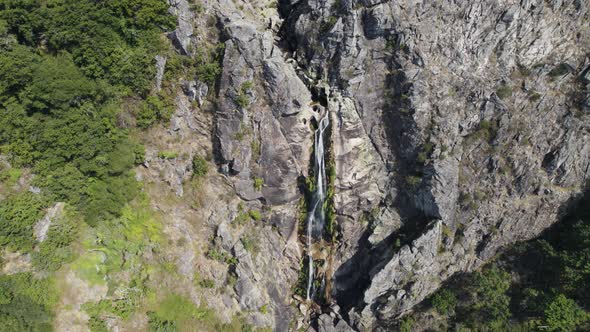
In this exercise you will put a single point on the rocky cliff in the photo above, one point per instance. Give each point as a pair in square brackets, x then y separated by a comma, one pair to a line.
[458, 128]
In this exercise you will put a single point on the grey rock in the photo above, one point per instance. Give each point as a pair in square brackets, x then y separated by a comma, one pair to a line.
[423, 75]
[182, 36]
[160, 68]
[41, 228]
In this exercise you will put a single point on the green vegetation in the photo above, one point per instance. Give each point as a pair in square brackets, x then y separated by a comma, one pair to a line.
[208, 65]
[406, 324]
[207, 283]
[200, 166]
[425, 153]
[242, 98]
[118, 244]
[486, 130]
[66, 67]
[154, 109]
[328, 24]
[56, 249]
[255, 215]
[26, 302]
[178, 313]
[168, 155]
[258, 183]
[10, 176]
[413, 181]
[221, 256]
[18, 214]
[250, 244]
[548, 287]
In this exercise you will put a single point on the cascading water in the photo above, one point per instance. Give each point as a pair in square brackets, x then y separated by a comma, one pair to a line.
[316, 216]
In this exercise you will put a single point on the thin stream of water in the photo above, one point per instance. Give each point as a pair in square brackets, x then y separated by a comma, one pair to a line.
[315, 218]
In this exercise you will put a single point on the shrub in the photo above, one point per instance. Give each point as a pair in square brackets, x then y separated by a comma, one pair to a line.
[258, 183]
[158, 324]
[560, 70]
[27, 302]
[490, 299]
[406, 324]
[444, 301]
[328, 24]
[167, 155]
[18, 214]
[563, 314]
[242, 100]
[56, 250]
[250, 244]
[200, 166]
[208, 73]
[255, 214]
[155, 108]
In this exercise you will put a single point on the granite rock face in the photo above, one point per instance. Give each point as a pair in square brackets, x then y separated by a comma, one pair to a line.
[470, 110]
[458, 128]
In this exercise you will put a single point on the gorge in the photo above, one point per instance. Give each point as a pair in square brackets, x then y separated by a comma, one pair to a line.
[317, 165]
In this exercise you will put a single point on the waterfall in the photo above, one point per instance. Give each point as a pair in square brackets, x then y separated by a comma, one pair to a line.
[315, 217]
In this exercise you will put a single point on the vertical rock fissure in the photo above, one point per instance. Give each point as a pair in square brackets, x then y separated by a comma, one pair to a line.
[316, 215]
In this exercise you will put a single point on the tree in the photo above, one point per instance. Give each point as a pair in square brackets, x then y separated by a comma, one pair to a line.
[564, 314]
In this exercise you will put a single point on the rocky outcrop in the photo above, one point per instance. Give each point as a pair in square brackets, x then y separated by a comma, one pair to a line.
[182, 36]
[263, 117]
[458, 128]
[466, 107]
